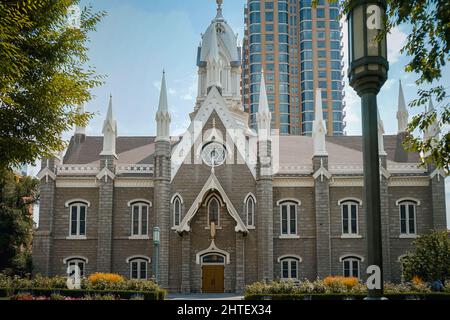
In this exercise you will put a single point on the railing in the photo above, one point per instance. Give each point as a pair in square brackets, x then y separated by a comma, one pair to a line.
[135, 169]
[295, 169]
[406, 168]
[76, 169]
[346, 169]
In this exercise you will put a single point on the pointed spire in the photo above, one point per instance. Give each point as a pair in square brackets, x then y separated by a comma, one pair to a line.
[162, 115]
[433, 129]
[402, 112]
[319, 127]
[263, 117]
[109, 132]
[381, 132]
[80, 130]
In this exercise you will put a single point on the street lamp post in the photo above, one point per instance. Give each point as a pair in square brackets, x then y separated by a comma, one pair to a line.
[155, 264]
[368, 69]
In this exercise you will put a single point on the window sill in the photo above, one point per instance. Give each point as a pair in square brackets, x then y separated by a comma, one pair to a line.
[351, 236]
[139, 238]
[251, 227]
[76, 238]
[289, 237]
[408, 236]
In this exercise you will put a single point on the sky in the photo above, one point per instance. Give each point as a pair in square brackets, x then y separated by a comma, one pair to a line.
[139, 38]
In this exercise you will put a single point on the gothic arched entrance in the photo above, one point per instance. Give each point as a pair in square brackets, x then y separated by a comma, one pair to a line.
[213, 273]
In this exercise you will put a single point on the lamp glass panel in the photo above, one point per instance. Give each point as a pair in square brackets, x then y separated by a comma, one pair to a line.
[372, 42]
[358, 32]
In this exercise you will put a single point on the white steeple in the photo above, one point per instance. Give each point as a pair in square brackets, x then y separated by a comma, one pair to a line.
[219, 62]
[381, 132]
[109, 133]
[162, 115]
[263, 116]
[319, 128]
[433, 130]
[402, 113]
[81, 130]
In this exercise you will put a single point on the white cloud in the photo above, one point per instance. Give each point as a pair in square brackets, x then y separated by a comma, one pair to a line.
[395, 41]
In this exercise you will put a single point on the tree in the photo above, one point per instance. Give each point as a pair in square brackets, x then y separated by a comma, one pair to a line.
[44, 76]
[17, 196]
[430, 259]
[428, 47]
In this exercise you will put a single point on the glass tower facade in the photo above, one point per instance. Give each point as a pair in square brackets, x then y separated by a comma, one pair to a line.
[300, 49]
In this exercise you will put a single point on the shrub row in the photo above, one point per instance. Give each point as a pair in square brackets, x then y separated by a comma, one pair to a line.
[333, 286]
[314, 297]
[98, 282]
[45, 292]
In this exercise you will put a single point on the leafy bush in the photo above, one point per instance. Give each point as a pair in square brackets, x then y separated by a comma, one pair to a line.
[430, 259]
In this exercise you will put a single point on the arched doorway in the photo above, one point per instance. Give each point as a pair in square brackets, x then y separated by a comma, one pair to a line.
[213, 273]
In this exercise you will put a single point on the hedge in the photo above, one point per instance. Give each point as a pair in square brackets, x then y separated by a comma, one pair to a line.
[400, 296]
[147, 295]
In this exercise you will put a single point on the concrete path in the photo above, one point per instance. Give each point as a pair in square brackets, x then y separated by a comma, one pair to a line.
[205, 296]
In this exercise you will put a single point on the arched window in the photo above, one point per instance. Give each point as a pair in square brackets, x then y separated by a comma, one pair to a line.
[288, 217]
[79, 262]
[138, 267]
[213, 211]
[213, 259]
[407, 210]
[250, 210]
[139, 218]
[351, 266]
[349, 213]
[176, 210]
[289, 267]
[78, 214]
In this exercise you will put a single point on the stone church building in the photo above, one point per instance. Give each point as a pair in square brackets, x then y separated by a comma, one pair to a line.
[233, 205]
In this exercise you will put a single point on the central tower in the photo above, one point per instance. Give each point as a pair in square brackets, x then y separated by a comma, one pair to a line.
[219, 62]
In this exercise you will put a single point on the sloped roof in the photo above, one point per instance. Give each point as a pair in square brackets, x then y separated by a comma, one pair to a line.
[294, 150]
[130, 150]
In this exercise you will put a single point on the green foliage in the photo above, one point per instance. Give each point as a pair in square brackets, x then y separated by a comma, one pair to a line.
[44, 76]
[17, 195]
[430, 259]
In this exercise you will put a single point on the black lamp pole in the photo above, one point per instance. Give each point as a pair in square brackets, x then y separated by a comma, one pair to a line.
[367, 74]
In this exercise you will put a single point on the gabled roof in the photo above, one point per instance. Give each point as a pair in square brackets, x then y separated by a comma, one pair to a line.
[212, 184]
[213, 102]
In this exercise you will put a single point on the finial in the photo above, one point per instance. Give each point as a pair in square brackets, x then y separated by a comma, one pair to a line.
[219, 9]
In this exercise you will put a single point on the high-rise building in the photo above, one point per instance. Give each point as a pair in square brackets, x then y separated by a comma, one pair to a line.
[300, 49]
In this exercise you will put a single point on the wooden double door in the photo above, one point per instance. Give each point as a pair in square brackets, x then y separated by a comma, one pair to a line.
[213, 279]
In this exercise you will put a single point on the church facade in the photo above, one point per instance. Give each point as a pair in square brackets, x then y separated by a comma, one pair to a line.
[232, 205]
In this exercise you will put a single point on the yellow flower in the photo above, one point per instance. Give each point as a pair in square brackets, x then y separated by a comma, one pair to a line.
[416, 280]
[349, 282]
[108, 277]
